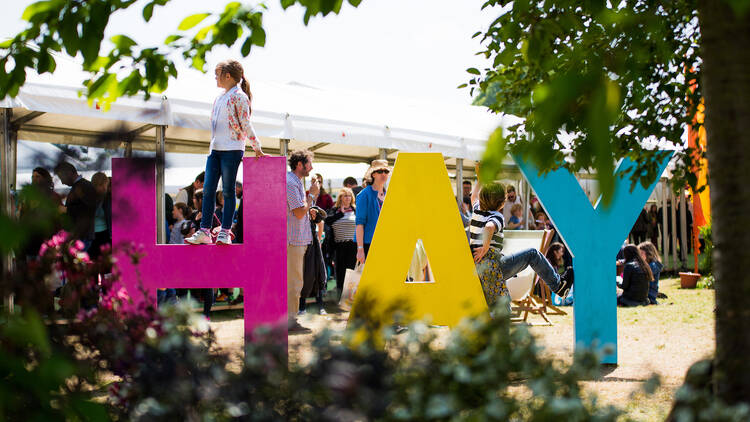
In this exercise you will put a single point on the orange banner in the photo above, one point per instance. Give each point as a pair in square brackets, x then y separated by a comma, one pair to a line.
[701, 201]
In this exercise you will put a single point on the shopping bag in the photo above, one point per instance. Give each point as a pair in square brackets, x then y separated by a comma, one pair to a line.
[351, 282]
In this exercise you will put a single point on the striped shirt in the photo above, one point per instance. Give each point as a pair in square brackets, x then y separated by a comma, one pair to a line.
[298, 232]
[344, 228]
[479, 219]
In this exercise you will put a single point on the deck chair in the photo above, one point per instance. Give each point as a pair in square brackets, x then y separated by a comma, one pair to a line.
[523, 301]
[545, 295]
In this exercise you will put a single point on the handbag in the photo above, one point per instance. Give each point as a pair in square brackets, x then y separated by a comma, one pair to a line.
[351, 282]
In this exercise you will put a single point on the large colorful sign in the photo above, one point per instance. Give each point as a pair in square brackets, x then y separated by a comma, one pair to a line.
[420, 206]
[594, 235]
[258, 265]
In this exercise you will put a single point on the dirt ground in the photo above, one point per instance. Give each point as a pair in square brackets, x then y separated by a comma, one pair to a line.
[664, 339]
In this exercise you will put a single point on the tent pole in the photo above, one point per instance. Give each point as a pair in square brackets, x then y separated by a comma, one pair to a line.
[383, 153]
[6, 162]
[664, 231]
[673, 214]
[161, 234]
[526, 204]
[128, 150]
[460, 181]
[284, 147]
[683, 229]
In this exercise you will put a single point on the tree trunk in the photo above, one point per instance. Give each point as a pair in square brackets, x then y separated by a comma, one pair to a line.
[726, 88]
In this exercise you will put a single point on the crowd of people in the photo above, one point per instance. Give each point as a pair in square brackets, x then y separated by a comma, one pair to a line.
[327, 236]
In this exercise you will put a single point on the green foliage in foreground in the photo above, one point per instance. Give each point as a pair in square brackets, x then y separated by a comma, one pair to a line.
[166, 367]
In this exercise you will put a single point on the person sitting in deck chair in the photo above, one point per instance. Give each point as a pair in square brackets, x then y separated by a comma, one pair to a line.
[486, 241]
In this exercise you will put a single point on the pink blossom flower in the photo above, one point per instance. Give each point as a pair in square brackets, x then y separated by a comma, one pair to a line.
[59, 238]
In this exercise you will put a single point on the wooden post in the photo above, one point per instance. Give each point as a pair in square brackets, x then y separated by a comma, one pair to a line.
[459, 181]
[284, 147]
[673, 214]
[684, 235]
[161, 159]
[664, 231]
[6, 204]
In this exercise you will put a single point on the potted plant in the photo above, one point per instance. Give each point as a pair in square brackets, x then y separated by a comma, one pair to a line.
[688, 280]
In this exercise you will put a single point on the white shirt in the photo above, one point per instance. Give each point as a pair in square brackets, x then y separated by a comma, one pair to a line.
[222, 136]
[220, 139]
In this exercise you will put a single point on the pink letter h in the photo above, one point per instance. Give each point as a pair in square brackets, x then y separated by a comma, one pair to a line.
[258, 265]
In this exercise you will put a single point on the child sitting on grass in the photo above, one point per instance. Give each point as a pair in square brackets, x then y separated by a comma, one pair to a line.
[650, 254]
[486, 241]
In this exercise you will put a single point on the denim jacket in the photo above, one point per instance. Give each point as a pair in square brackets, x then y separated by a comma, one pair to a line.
[368, 211]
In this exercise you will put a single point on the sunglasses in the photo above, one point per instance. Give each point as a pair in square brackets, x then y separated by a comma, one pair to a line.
[381, 172]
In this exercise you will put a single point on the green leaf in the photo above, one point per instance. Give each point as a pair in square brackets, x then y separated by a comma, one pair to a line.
[172, 38]
[494, 154]
[69, 34]
[258, 37]
[37, 8]
[246, 46]
[740, 7]
[473, 71]
[28, 329]
[232, 8]
[198, 62]
[45, 63]
[148, 11]
[123, 42]
[6, 43]
[201, 35]
[102, 85]
[192, 20]
[93, 411]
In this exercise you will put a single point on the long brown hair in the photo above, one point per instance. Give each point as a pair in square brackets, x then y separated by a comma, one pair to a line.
[555, 246]
[235, 70]
[631, 253]
[652, 255]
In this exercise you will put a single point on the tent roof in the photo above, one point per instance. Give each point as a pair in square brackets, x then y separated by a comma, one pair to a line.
[338, 126]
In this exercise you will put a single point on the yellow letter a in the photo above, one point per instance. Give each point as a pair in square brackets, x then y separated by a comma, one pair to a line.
[420, 205]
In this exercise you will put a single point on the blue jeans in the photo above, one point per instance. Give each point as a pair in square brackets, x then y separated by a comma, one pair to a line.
[513, 264]
[224, 164]
[653, 291]
[166, 296]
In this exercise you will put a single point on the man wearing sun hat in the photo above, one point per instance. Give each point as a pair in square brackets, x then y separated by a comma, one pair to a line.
[368, 210]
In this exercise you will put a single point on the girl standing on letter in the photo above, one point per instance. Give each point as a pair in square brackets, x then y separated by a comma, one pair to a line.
[230, 130]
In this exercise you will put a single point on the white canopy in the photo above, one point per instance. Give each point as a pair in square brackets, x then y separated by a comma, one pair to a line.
[338, 126]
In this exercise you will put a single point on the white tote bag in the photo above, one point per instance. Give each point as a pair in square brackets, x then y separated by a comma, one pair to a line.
[351, 282]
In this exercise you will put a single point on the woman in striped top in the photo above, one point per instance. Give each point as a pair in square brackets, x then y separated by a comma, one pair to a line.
[343, 224]
[486, 241]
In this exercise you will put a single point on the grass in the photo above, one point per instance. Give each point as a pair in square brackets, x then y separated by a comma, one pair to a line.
[664, 340]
